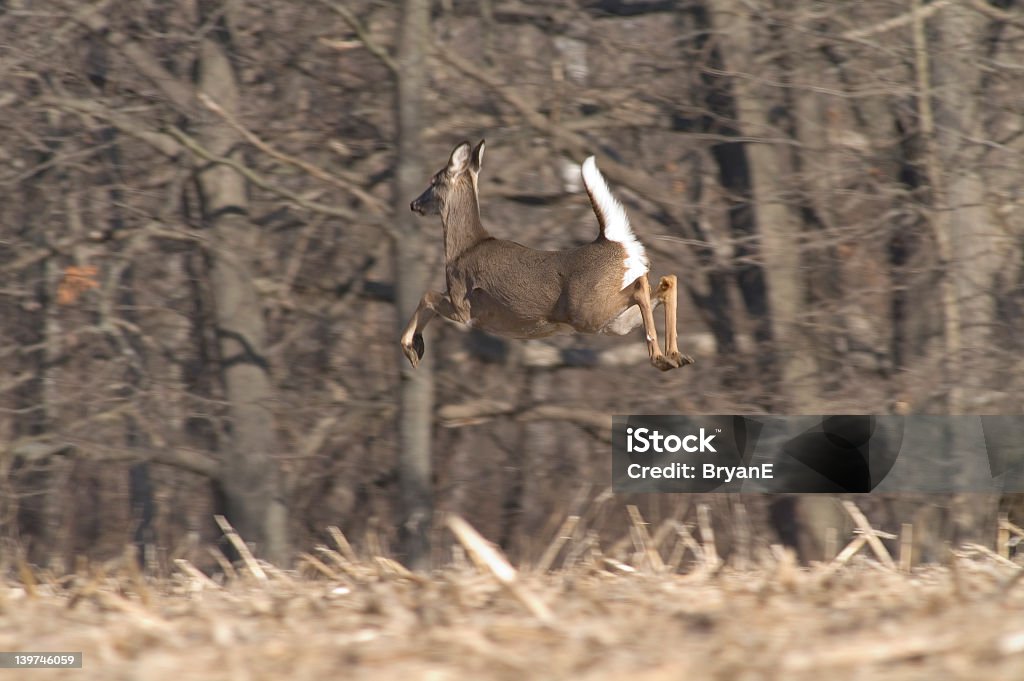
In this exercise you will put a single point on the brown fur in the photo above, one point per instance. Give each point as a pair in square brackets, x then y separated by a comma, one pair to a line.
[507, 289]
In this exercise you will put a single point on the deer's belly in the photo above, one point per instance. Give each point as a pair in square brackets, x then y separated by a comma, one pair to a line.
[517, 327]
[504, 322]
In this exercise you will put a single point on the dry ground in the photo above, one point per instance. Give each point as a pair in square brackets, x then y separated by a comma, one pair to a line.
[371, 620]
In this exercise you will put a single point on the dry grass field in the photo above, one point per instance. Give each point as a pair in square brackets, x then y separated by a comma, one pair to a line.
[345, 616]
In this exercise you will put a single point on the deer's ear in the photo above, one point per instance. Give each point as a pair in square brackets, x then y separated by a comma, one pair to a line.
[459, 160]
[477, 159]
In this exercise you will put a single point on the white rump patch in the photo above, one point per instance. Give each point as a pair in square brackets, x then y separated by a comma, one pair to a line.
[616, 222]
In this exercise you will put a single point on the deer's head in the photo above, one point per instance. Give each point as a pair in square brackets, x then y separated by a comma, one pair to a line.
[460, 175]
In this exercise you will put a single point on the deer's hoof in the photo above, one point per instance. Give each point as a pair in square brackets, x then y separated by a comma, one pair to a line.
[663, 362]
[680, 360]
[673, 360]
[414, 350]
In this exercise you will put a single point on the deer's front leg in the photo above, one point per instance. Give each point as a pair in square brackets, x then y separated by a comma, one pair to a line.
[432, 303]
[667, 293]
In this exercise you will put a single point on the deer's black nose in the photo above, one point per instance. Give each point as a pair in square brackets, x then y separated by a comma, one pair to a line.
[414, 206]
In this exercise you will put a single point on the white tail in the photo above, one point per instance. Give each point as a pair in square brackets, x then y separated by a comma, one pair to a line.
[614, 222]
[507, 289]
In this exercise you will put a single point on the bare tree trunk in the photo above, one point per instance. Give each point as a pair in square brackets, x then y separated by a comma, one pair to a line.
[968, 243]
[140, 484]
[416, 402]
[34, 483]
[251, 482]
[975, 241]
[778, 226]
[734, 176]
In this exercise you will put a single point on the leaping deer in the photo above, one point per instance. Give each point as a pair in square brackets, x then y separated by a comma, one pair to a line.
[507, 289]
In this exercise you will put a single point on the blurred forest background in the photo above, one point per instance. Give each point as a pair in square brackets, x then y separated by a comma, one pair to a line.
[206, 255]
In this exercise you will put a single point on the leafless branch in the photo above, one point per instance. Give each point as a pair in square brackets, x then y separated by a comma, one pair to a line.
[178, 457]
[469, 413]
[90, 108]
[334, 211]
[364, 37]
[379, 207]
[83, 15]
[896, 22]
[996, 14]
[180, 93]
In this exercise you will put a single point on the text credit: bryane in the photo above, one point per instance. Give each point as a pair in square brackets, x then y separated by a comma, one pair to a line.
[646, 440]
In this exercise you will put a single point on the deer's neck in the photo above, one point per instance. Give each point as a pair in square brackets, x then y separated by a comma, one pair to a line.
[462, 226]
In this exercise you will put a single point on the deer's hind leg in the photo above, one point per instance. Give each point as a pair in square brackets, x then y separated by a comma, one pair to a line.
[667, 293]
[642, 297]
[432, 303]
